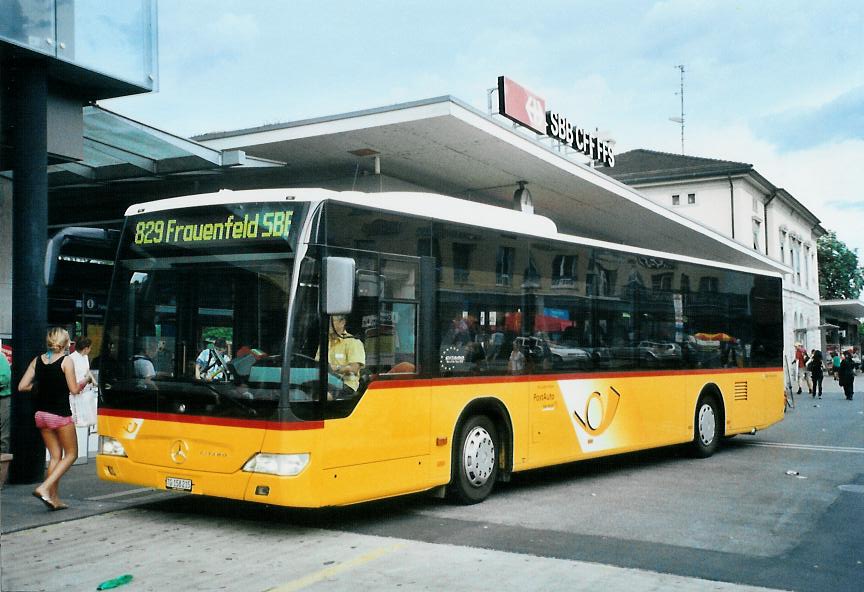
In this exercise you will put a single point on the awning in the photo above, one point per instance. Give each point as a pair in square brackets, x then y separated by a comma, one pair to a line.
[118, 149]
[854, 309]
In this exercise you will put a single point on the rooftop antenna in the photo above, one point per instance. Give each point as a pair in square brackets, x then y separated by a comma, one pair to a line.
[680, 119]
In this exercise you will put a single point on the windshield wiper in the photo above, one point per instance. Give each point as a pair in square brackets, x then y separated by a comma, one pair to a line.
[219, 396]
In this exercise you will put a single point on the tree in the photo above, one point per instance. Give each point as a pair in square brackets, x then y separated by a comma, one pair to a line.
[840, 276]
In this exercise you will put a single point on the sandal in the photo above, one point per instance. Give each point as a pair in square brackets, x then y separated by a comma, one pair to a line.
[44, 500]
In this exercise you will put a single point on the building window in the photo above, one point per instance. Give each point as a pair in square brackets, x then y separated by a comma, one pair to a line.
[600, 283]
[461, 261]
[676, 200]
[796, 261]
[814, 270]
[757, 230]
[709, 284]
[564, 270]
[807, 266]
[691, 198]
[661, 281]
[782, 247]
[504, 266]
[685, 283]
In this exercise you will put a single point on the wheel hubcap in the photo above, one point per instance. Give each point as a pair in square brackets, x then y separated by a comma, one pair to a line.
[707, 424]
[478, 456]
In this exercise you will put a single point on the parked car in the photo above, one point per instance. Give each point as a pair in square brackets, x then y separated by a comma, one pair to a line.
[569, 355]
[660, 353]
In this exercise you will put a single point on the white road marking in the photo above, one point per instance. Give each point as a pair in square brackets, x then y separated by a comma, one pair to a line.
[329, 572]
[813, 447]
[119, 494]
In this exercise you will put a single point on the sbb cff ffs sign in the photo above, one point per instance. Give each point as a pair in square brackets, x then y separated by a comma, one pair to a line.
[520, 105]
[579, 139]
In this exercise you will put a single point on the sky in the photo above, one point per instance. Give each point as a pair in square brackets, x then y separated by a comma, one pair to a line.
[778, 84]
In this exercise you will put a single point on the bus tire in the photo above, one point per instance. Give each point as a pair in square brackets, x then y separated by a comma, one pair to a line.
[706, 427]
[475, 461]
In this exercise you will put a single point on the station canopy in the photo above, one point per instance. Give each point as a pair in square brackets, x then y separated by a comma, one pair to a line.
[442, 144]
[853, 309]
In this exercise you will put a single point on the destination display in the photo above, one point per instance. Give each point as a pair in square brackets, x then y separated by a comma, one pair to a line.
[217, 226]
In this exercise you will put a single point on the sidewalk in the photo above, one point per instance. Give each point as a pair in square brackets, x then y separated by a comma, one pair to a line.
[86, 494]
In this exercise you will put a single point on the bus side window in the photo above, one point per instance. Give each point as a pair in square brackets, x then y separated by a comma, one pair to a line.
[391, 340]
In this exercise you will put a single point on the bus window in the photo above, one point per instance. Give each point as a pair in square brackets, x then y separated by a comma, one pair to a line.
[483, 303]
[379, 334]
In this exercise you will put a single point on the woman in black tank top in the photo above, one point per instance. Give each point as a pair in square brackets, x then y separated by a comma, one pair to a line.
[53, 373]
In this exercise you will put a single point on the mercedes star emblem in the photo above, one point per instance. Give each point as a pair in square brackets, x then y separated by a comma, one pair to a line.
[179, 451]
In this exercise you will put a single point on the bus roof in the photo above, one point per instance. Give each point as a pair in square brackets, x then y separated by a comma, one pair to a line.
[427, 205]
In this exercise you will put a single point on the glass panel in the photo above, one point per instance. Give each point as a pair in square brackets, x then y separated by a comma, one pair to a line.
[105, 128]
[563, 320]
[357, 344]
[480, 305]
[29, 23]
[200, 336]
[113, 38]
[197, 317]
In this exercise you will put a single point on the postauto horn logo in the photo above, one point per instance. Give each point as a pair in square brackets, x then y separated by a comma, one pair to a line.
[592, 410]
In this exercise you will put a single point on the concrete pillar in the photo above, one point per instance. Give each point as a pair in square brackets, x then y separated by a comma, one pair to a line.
[29, 235]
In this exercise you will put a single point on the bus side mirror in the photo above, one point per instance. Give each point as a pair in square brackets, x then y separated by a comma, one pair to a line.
[98, 237]
[339, 280]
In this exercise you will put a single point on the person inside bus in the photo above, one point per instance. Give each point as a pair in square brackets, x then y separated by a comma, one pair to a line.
[106, 362]
[346, 355]
[211, 365]
[142, 361]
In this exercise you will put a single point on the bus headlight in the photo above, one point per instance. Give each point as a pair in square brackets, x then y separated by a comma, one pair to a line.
[285, 465]
[111, 446]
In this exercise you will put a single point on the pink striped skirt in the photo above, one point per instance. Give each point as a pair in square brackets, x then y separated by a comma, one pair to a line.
[45, 420]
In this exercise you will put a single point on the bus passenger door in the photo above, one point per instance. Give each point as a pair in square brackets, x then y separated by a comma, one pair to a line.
[382, 446]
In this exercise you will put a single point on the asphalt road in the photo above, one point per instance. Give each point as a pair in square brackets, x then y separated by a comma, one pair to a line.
[648, 521]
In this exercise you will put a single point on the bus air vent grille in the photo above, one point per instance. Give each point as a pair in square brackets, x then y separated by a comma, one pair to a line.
[741, 391]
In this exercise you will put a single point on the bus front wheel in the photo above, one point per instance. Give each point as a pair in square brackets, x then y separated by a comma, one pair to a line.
[706, 432]
[475, 461]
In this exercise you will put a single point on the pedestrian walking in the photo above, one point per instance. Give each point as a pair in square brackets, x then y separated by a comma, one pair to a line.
[847, 374]
[81, 361]
[817, 372]
[83, 404]
[835, 364]
[53, 375]
[801, 359]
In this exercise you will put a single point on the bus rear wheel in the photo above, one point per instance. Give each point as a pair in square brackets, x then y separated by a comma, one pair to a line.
[706, 432]
[475, 461]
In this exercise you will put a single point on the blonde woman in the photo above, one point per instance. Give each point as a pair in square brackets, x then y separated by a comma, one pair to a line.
[54, 374]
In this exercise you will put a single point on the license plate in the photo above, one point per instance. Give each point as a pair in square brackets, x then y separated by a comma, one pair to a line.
[178, 484]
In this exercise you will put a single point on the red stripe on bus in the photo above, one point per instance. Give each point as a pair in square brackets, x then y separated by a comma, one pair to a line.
[403, 382]
[214, 421]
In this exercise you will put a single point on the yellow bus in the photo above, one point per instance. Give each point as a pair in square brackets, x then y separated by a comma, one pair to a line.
[311, 348]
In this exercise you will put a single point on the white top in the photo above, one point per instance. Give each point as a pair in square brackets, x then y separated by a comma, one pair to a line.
[82, 366]
[210, 366]
[143, 366]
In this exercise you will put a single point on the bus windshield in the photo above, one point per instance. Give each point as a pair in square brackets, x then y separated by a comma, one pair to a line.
[198, 311]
